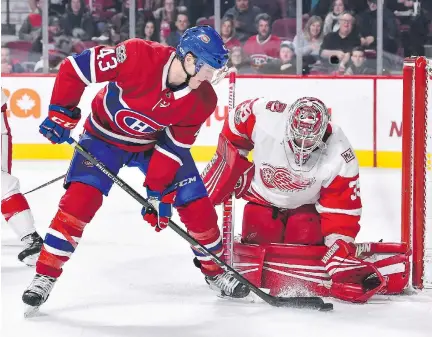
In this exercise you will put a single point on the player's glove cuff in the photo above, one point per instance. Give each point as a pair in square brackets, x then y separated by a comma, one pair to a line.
[64, 117]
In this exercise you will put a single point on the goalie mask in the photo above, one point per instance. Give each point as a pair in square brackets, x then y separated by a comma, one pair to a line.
[307, 124]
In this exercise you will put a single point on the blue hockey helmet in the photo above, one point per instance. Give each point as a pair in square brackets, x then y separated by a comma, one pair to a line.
[206, 45]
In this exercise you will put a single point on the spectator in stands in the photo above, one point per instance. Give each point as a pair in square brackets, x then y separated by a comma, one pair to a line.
[356, 6]
[101, 11]
[368, 28]
[31, 28]
[107, 37]
[33, 5]
[77, 21]
[240, 62]
[308, 44]
[9, 65]
[198, 9]
[165, 18]
[331, 22]
[243, 14]
[151, 32]
[401, 8]
[56, 7]
[151, 5]
[420, 32]
[54, 31]
[289, 8]
[182, 23]
[285, 64]
[228, 33]
[337, 46]
[167, 13]
[319, 8]
[322, 7]
[359, 65]
[264, 45]
[120, 23]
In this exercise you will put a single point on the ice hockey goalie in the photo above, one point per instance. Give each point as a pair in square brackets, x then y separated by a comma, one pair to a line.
[303, 204]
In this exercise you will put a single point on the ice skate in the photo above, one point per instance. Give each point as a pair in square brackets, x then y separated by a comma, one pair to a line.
[32, 247]
[37, 293]
[228, 285]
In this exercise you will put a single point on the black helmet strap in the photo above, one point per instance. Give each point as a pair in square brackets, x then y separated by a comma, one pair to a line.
[188, 76]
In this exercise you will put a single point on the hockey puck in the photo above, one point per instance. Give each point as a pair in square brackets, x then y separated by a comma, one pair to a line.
[326, 307]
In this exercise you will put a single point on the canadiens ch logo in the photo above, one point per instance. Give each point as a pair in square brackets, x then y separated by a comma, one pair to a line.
[204, 38]
[135, 123]
[283, 179]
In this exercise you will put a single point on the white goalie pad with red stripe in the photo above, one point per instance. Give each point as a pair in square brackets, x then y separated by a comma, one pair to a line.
[228, 171]
[298, 269]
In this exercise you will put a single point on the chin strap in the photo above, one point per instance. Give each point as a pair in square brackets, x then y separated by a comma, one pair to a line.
[188, 76]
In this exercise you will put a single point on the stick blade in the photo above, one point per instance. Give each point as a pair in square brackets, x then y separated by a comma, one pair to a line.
[316, 303]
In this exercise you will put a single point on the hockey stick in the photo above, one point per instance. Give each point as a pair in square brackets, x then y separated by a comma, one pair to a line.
[228, 205]
[46, 184]
[292, 302]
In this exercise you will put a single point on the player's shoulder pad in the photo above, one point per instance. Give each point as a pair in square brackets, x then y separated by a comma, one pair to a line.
[341, 154]
[142, 48]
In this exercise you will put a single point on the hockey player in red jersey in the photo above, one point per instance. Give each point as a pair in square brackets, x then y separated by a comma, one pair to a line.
[264, 45]
[302, 189]
[14, 206]
[147, 116]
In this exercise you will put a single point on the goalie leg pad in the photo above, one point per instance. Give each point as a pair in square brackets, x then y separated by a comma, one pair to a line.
[304, 226]
[226, 172]
[249, 261]
[260, 226]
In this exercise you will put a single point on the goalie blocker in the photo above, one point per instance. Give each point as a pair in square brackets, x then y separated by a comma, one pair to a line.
[227, 172]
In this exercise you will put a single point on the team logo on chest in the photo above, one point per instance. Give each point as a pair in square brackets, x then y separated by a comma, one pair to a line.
[283, 179]
[135, 123]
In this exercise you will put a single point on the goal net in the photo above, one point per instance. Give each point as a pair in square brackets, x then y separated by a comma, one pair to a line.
[417, 168]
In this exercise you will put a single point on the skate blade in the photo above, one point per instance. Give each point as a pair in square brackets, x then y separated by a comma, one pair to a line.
[250, 298]
[30, 311]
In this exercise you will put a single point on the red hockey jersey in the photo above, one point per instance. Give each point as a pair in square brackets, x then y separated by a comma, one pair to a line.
[329, 179]
[136, 111]
[259, 52]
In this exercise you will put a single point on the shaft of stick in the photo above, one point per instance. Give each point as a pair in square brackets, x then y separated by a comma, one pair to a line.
[228, 216]
[46, 184]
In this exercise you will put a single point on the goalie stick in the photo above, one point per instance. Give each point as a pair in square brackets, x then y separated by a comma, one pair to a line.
[228, 205]
[292, 302]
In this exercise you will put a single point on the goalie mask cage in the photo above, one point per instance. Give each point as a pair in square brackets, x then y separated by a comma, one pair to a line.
[417, 168]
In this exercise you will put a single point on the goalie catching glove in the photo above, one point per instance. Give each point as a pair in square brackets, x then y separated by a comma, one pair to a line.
[59, 123]
[228, 171]
[353, 279]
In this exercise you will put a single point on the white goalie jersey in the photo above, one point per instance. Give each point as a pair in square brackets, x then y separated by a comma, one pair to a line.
[329, 178]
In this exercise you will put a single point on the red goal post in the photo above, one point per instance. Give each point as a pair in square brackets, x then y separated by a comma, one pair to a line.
[417, 168]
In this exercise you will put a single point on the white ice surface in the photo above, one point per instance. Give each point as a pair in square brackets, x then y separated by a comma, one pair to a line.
[126, 280]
